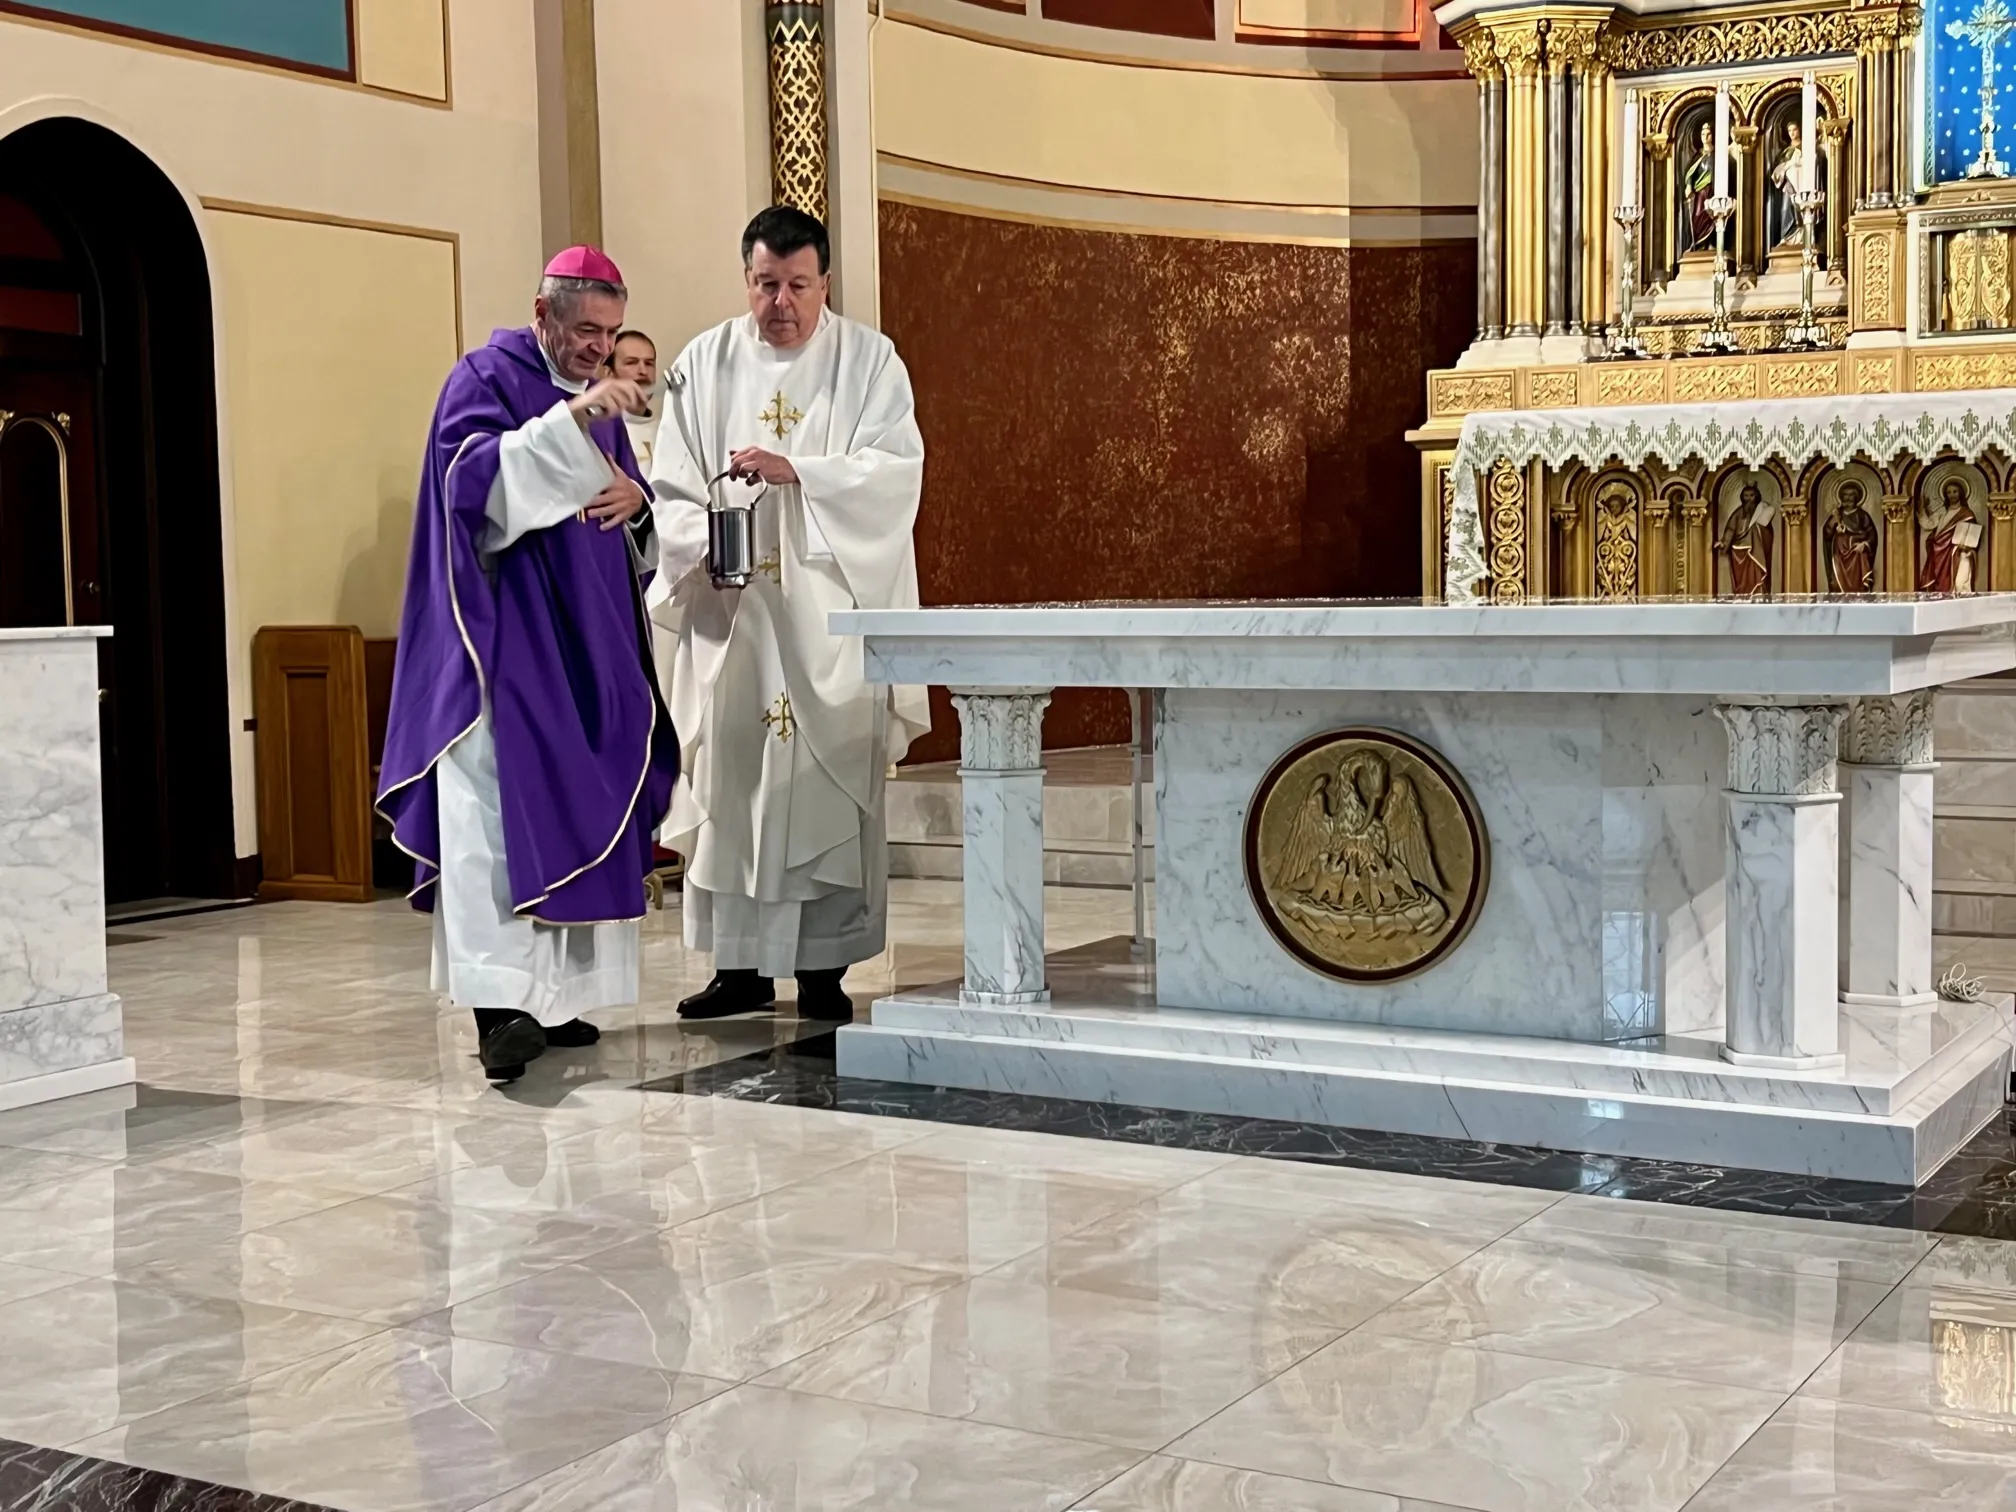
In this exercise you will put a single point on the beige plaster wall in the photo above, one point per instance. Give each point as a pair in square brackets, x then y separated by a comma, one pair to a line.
[685, 155]
[1173, 132]
[320, 458]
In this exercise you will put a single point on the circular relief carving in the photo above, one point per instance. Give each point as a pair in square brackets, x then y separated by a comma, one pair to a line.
[1366, 855]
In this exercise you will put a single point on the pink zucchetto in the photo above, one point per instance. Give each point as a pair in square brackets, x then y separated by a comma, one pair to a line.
[585, 262]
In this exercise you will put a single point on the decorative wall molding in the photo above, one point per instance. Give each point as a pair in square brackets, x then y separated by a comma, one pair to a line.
[1273, 58]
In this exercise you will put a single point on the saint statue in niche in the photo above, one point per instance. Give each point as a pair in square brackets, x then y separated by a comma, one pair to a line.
[1952, 541]
[1850, 543]
[1783, 228]
[1697, 225]
[1746, 540]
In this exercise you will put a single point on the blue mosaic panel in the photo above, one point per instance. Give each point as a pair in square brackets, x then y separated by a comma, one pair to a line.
[311, 33]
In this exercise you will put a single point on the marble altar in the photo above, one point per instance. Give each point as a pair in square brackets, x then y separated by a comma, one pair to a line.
[60, 1025]
[1679, 955]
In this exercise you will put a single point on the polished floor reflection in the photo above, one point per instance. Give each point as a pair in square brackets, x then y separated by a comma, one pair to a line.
[317, 1259]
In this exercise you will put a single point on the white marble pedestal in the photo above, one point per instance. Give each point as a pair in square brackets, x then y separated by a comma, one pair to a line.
[1657, 969]
[60, 1027]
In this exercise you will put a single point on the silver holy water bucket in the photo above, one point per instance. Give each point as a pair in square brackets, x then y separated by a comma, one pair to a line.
[731, 537]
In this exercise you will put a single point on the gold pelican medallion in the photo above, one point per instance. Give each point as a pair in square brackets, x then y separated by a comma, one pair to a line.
[1366, 855]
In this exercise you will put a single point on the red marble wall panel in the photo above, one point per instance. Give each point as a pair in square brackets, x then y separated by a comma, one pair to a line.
[1169, 18]
[1118, 416]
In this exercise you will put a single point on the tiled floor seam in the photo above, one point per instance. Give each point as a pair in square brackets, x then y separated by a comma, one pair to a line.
[1164, 1449]
[555, 1471]
[70, 1446]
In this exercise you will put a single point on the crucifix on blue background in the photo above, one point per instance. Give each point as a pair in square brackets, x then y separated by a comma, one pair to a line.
[1963, 106]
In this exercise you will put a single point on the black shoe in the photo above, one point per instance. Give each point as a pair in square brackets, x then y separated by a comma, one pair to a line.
[820, 997]
[575, 1034]
[730, 992]
[507, 1042]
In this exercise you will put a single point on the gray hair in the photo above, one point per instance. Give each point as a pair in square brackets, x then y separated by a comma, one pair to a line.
[563, 294]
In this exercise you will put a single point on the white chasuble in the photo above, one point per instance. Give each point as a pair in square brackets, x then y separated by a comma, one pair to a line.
[485, 954]
[784, 743]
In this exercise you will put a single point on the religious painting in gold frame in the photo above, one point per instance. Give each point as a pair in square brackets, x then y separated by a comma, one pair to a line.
[1366, 855]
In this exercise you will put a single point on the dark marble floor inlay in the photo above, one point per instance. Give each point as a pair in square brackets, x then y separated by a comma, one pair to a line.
[51, 1480]
[1974, 1193]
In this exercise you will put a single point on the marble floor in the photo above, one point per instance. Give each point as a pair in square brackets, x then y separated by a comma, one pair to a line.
[316, 1262]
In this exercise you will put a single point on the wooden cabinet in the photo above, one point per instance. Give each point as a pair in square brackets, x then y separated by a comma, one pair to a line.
[312, 720]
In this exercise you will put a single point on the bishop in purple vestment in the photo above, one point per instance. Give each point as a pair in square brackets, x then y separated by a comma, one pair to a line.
[529, 757]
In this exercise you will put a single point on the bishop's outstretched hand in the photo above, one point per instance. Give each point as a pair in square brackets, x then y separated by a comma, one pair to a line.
[608, 396]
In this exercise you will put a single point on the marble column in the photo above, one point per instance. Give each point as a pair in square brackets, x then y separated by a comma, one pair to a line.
[1783, 881]
[1886, 774]
[1001, 778]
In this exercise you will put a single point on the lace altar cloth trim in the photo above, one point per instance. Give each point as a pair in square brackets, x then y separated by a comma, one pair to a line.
[1873, 427]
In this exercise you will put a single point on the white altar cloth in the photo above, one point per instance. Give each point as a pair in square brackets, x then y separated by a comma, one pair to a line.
[1875, 427]
[1651, 776]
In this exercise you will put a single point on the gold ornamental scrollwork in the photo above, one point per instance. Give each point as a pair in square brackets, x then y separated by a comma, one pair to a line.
[1553, 390]
[1751, 39]
[1571, 44]
[796, 32]
[1617, 543]
[1480, 55]
[1508, 534]
[1366, 855]
[1461, 393]
[1877, 267]
[1801, 380]
[1875, 375]
[1518, 48]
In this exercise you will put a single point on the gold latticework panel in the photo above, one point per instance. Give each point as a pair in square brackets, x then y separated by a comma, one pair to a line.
[1508, 534]
[798, 113]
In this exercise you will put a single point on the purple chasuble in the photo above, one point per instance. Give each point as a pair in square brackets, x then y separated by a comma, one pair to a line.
[553, 633]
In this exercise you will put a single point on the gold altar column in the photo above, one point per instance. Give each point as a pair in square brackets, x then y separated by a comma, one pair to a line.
[1599, 283]
[796, 33]
[1696, 570]
[1481, 58]
[1900, 553]
[2001, 542]
[1517, 45]
[1884, 53]
[1797, 514]
[1654, 256]
[1656, 564]
[1746, 254]
[1834, 143]
[1571, 52]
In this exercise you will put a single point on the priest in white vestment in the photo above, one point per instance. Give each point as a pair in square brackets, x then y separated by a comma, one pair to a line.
[784, 743]
[528, 755]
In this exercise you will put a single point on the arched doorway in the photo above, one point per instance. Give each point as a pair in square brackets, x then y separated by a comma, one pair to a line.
[109, 509]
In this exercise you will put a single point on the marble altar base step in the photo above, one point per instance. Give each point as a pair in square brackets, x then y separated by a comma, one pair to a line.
[1916, 1087]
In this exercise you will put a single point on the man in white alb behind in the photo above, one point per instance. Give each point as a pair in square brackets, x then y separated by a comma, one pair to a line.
[778, 810]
